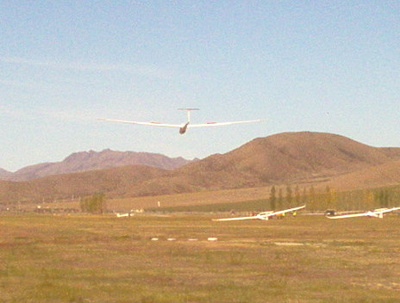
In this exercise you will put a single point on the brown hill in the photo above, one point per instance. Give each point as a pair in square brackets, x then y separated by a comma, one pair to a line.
[114, 182]
[4, 174]
[304, 157]
[386, 174]
[86, 161]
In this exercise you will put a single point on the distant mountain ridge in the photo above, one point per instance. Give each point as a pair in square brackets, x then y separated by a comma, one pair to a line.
[91, 160]
[281, 159]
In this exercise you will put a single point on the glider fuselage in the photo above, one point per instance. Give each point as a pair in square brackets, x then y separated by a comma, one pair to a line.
[183, 129]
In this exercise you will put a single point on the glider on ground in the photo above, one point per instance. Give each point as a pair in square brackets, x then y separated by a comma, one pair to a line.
[184, 126]
[266, 215]
[376, 213]
[119, 215]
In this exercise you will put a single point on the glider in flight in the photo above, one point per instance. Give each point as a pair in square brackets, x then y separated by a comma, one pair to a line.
[266, 215]
[376, 213]
[184, 126]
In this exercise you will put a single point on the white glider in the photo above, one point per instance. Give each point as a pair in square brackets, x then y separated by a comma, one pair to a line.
[184, 126]
[376, 213]
[124, 215]
[266, 215]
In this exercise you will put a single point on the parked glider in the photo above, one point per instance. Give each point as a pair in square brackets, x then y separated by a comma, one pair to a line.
[184, 126]
[266, 215]
[119, 215]
[376, 213]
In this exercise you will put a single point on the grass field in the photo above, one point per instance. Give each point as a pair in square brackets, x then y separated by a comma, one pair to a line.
[81, 258]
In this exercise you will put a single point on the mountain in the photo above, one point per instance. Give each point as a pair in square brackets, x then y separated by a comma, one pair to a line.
[4, 174]
[287, 158]
[86, 161]
[300, 157]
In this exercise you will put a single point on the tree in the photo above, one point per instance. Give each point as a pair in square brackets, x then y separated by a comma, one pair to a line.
[280, 198]
[311, 204]
[304, 196]
[93, 204]
[297, 196]
[383, 197]
[369, 199]
[289, 196]
[272, 198]
[328, 198]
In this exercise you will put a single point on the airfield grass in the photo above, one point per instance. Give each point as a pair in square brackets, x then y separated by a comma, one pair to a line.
[84, 258]
[169, 201]
[241, 207]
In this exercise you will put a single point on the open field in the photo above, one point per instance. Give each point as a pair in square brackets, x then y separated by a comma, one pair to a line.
[185, 199]
[81, 258]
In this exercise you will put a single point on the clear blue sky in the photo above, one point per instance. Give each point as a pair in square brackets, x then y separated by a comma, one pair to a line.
[327, 66]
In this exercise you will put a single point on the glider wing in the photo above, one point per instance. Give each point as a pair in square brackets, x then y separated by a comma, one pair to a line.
[222, 123]
[349, 216]
[159, 124]
[386, 210]
[262, 216]
[286, 211]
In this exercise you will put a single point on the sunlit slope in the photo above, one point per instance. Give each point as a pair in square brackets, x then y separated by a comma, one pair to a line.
[303, 157]
[386, 174]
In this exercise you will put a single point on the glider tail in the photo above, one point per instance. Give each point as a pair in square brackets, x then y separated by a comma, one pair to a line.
[188, 110]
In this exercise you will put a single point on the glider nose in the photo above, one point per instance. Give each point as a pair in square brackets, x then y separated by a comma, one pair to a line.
[183, 129]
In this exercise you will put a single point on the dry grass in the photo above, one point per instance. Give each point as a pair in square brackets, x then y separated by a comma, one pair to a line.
[199, 198]
[105, 259]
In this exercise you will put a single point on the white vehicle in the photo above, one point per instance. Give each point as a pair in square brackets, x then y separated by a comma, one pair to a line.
[376, 213]
[184, 126]
[266, 215]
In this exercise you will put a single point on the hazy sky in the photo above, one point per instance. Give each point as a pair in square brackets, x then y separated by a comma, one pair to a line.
[327, 66]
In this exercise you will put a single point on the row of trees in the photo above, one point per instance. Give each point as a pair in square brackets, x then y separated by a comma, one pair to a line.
[286, 197]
